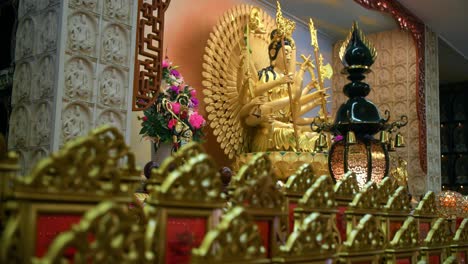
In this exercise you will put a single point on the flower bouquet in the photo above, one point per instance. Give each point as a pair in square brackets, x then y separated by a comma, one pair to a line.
[174, 117]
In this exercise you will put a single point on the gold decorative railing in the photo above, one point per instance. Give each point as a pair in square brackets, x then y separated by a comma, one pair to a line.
[79, 204]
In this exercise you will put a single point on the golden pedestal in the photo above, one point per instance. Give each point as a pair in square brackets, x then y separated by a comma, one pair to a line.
[286, 163]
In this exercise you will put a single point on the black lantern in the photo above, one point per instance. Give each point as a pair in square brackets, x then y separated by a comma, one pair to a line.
[358, 119]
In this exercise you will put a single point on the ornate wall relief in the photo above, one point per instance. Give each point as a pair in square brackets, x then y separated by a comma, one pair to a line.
[45, 77]
[27, 6]
[117, 9]
[82, 33]
[432, 112]
[86, 4]
[114, 45]
[111, 87]
[112, 118]
[22, 82]
[78, 79]
[76, 121]
[41, 124]
[19, 127]
[38, 155]
[25, 39]
[47, 39]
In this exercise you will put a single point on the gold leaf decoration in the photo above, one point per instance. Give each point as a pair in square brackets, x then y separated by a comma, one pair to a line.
[407, 236]
[439, 234]
[11, 244]
[320, 195]
[368, 198]
[347, 187]
[300, 181]
[461, 236]
[366, 236]
[387, 187]
[399, 202]
[427, 207]
[228, 67]
[97, 164]
[255, 185]
[117, 238]
[197, 180]
[313, 237]
[235, 240]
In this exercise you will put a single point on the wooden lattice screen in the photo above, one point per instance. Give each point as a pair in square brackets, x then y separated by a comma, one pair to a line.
[148, 55]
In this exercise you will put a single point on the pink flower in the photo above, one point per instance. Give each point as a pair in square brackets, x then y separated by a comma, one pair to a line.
[175, 73]
[175, 108]
[145, 118]
[175, 89]
[338, 138]
[166, 63]
[196, 120]
[172, 123]
[193, 93]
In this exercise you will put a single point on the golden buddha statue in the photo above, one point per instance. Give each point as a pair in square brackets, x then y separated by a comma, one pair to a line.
[254, 92]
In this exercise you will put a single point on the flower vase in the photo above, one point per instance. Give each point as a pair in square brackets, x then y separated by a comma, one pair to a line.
[160, 152]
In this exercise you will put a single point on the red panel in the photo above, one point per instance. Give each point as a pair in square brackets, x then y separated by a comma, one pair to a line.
[424, 228]
[51, 225]
[458, 222]
[434, 259]
[363, 262]
[462, 257]
[341, 222]
[404, 261]
[291, 216]
[265, 232]
[183, 234]
[394, 227]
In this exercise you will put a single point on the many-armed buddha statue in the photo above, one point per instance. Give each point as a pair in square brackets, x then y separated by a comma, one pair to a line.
[254, 90]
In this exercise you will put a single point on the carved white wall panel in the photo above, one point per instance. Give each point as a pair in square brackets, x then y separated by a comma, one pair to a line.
[67, 92]
[27, 6]
[19, 127]
[41, 124]
[37, 155]
[112, 88]
[85, 4]
[432, 112]
[113, 118]
[25, 38]
[117, 9]
[114, 45]
[76, 121]
[22, 82]
[79, 79]
[47, 39]
[82, 33]
[45, 77]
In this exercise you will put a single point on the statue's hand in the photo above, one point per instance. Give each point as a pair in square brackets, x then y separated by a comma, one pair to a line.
[288, 78]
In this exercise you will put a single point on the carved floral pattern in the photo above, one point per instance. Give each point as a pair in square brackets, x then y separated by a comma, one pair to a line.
[22, 83]
[114, 46]
[25, 39]
[48, 32]
[111, 88]
[117, 9]
[81, 34]
[46, 77]
[78, 79]
[75, 122]
[41, 125]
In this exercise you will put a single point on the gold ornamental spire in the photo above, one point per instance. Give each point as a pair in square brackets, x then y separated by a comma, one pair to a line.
[285, 26]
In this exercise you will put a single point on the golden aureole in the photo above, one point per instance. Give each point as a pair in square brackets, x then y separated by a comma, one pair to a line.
[254, 94]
